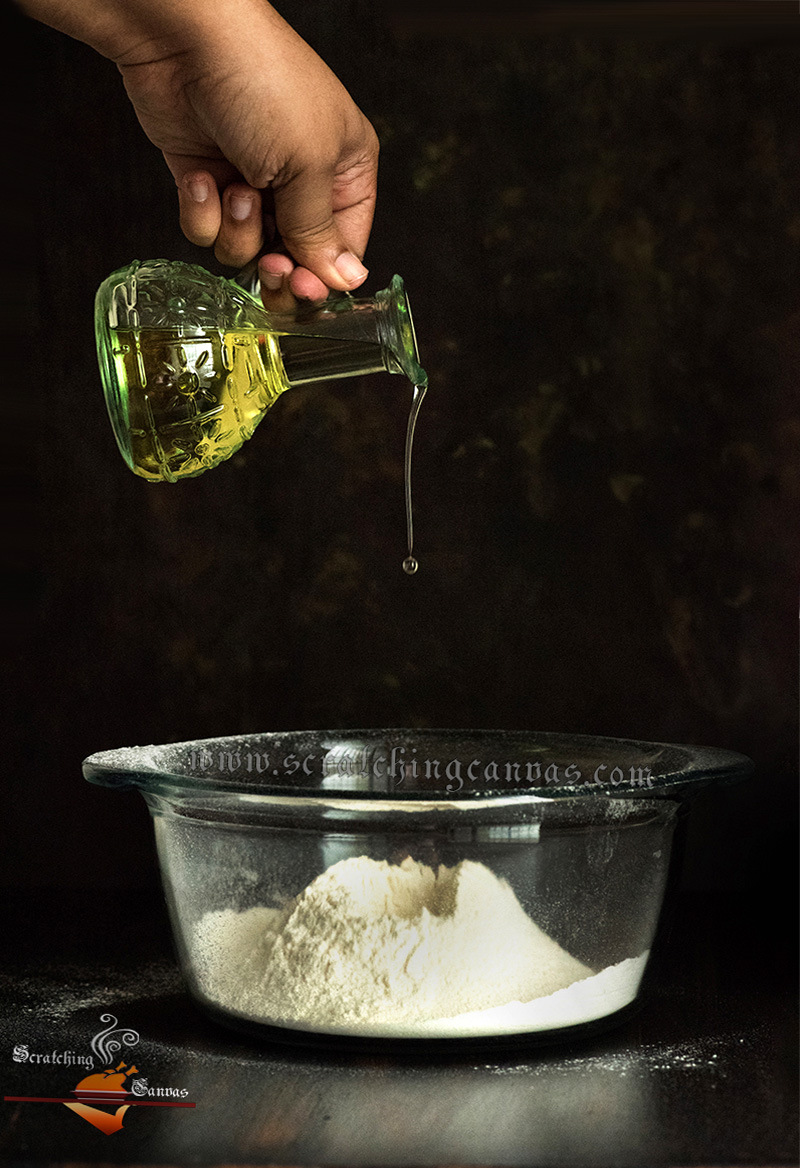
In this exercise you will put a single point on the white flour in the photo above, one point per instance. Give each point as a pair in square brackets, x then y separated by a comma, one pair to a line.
[373, 948]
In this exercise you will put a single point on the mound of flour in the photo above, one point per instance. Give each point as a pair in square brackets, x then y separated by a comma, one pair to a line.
[383, 949]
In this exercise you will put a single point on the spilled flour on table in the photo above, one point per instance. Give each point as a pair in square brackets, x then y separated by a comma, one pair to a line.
[372, 948]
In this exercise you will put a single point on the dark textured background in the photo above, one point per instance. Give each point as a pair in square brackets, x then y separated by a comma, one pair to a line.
[598, 219]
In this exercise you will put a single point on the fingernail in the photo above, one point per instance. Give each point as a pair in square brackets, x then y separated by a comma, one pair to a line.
[198, 190]
[350, 268]
[270, 281]
[241, 206]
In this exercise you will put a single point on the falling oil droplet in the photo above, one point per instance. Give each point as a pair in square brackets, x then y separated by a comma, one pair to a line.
[410, 564]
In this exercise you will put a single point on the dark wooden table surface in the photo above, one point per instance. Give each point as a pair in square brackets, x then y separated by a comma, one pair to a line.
[705, 1073]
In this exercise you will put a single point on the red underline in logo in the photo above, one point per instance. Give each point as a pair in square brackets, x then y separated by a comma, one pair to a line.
[93, 1100]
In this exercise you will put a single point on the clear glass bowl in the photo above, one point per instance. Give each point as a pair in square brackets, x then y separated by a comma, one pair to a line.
[445, 885]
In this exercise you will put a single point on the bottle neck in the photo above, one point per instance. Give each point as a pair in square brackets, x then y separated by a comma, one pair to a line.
[312, 358]
[346, 336]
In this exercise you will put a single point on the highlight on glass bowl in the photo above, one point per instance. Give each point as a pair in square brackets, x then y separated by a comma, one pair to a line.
[416, 884]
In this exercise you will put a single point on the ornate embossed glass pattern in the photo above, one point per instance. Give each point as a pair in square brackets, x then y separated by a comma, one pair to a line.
[191, 362]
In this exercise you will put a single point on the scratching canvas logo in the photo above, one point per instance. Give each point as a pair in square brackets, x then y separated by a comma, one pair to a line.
[108, 1086]
[104, 1097]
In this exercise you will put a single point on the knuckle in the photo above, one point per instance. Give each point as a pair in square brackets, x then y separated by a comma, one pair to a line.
[264, 171]
[231, 256]
[198, 236]
[372, 145]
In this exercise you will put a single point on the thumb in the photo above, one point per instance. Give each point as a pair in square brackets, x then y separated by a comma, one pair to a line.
[305, 221]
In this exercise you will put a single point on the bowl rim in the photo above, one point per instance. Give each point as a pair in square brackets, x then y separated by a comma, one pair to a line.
[686, 769]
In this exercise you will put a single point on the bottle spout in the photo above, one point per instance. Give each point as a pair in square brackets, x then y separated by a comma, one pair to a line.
[398, 336]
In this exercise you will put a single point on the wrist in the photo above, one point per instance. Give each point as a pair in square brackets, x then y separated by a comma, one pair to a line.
[129, 31]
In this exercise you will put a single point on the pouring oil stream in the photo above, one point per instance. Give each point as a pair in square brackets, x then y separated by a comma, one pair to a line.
[410, 564]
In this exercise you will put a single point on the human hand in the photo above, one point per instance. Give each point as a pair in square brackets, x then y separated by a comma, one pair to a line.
[264, 142]
[257, 131]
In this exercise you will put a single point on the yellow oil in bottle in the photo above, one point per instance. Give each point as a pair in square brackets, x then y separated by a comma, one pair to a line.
[192, 400]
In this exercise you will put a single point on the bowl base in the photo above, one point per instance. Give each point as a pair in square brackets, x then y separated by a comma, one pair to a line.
[457, 1047]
